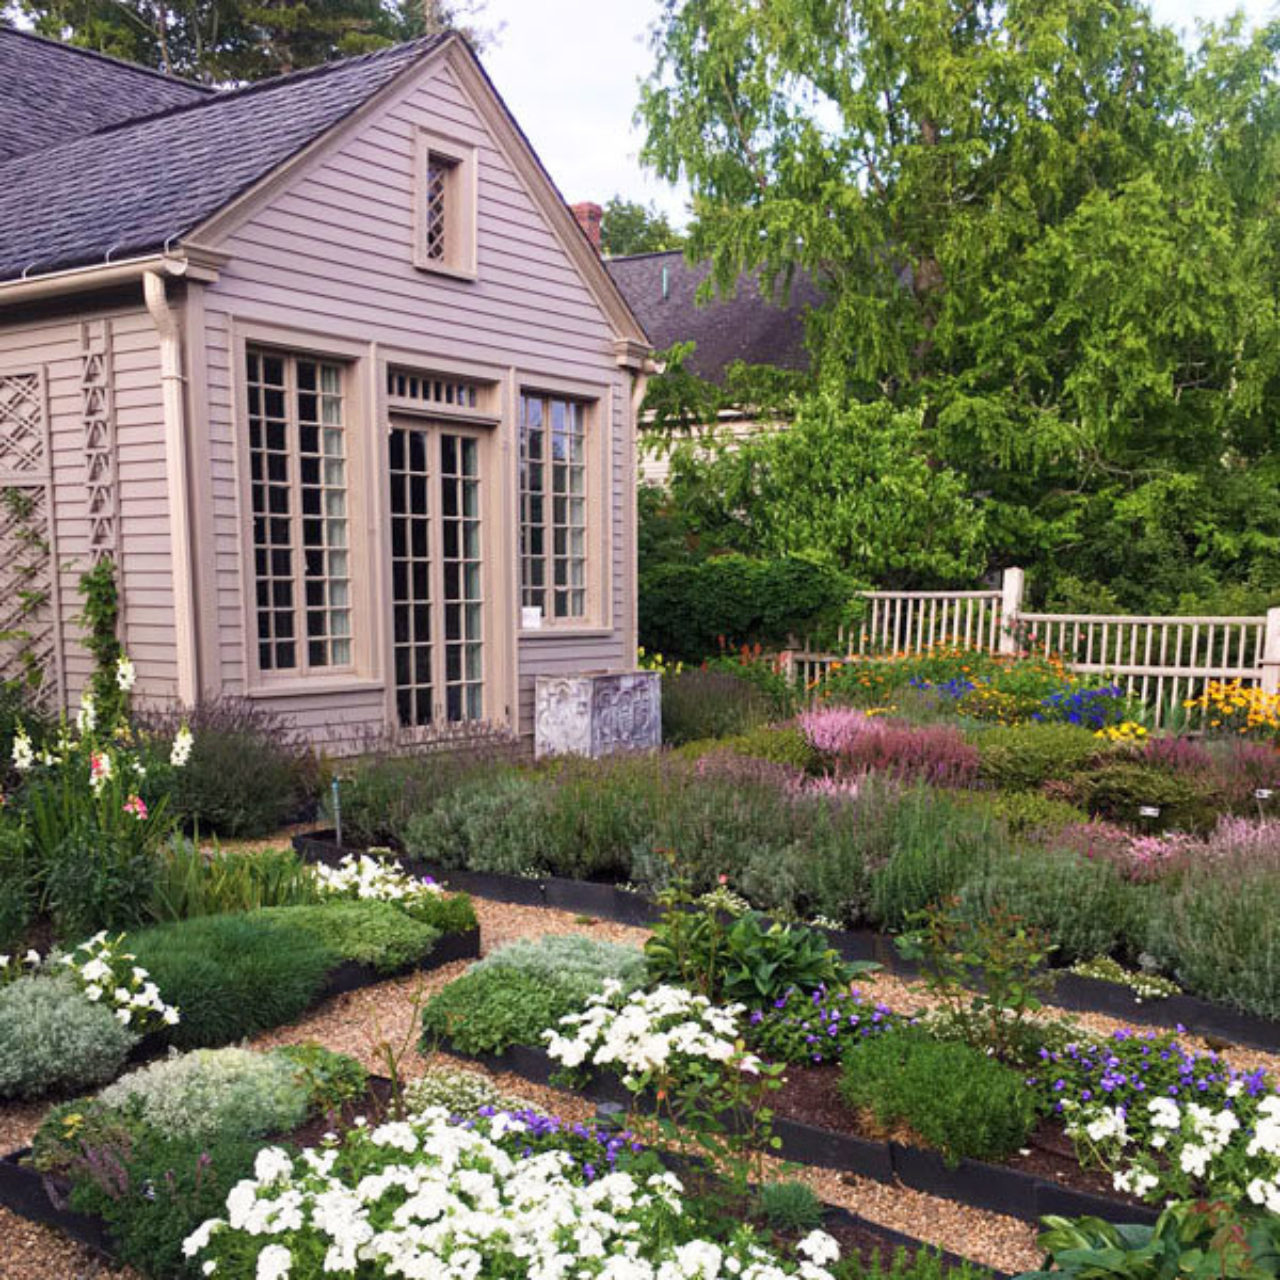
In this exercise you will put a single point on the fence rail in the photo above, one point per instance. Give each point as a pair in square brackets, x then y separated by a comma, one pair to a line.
[1161, 661]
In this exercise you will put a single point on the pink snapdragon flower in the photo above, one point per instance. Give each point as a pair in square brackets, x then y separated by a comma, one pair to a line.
[137, 806]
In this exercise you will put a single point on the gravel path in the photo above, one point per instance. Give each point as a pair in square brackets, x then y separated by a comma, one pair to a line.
[360, 1022]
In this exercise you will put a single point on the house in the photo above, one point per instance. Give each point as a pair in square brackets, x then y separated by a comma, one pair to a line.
[327, 367]
[749, 326]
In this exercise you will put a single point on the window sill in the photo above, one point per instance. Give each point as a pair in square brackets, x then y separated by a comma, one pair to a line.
[443, 269]
[310, 685]
[564, 632]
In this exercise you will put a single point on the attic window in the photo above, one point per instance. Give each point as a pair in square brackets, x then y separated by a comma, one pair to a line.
[445, 232]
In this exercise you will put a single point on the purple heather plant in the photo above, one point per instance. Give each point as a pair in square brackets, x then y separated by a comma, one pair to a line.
[855, 743]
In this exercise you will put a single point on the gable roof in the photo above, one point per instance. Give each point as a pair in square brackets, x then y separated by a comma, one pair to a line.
[53, 92]
[141, 184]
[661, 288]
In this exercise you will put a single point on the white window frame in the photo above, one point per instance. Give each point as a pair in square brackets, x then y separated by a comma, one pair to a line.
[461, 205]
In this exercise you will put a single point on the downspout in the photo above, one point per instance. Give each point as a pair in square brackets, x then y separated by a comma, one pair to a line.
[173, 387]
[639, 385]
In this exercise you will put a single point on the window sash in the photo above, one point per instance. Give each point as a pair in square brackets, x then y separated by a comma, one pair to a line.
[553, 507]
[299, 494]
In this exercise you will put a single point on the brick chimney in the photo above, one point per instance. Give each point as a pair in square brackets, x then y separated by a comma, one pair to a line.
[588, 215]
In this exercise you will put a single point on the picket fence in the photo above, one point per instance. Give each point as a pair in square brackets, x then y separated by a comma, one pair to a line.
[1161, 661]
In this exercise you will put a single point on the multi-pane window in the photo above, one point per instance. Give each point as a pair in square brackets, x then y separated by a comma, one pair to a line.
[298, 482]
[438, 178]
[553, 506]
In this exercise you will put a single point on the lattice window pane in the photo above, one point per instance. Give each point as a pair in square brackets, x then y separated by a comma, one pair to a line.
[412, 635]
[435, 220]
[298, 488]
[553, 507]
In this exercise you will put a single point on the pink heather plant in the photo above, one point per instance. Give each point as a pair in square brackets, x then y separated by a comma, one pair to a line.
[858, 744]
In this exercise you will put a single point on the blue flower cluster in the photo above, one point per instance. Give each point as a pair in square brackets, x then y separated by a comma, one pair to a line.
[1093, 708]
[819, 1027]
[955, 688]
[597, 1149]
[1133, 1066]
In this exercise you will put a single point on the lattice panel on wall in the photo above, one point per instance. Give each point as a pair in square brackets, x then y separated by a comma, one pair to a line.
[98, 414]
[30, 622]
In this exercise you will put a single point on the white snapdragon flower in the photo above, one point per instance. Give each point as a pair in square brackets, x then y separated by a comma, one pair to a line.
[87, 715]
[183, 744]
[24, 755]
[126, 673]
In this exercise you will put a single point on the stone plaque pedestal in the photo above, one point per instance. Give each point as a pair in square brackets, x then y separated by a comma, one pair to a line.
[595, 715]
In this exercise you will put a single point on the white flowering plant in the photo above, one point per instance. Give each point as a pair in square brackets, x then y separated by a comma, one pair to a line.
[373, 880]
[108, 976]
[426, 1198]
[685, 1063]
[13, 967]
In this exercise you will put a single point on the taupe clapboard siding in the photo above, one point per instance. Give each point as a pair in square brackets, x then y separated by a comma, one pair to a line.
[143, 553]
[331, 252]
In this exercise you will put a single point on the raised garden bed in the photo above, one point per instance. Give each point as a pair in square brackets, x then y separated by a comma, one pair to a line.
[1072, 992]
[40, 1198]
[1016, 1192]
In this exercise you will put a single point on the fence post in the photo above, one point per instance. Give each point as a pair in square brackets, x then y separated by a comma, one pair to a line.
[1011, 584]
[1271, 653]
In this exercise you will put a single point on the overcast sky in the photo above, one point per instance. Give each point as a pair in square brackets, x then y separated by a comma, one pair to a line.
[569, 70]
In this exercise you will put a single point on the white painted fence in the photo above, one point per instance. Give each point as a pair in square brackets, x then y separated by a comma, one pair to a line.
[1161, 661]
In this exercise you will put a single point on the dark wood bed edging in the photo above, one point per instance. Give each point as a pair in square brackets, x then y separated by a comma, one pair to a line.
[1083, 995]
[972, 1182]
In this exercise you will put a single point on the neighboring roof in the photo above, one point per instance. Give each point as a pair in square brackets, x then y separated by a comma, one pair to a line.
[661, 289]
[52, 92]
[135, 187]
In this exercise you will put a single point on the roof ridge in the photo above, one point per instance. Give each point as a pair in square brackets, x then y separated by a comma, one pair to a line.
[273, 82]
[110, 58]
[648, 253]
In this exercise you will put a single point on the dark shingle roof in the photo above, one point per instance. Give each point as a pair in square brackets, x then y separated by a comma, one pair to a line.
[661, 289]
[131, 189]
[52, 92]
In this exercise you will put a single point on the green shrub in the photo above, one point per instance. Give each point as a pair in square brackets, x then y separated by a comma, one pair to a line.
[782, 744]
[1083, 905]
[249, 771]
[233, 975]
[445, 912]
[16, 884]
[954, 1097]
[373, 933]
[1030, 813]
[790, 1206]
[212, 1093]
[193, 882]
[935, 845]
[489, 823]
[690, 609]
[1217, 931]
[461, 1093]
[575, 966]
[1119, 790]
[702, 703]
[54, 1038]
[166, 1187]
[330, 1079]
[488, 1012]
[1024, 757]
[927, 1264]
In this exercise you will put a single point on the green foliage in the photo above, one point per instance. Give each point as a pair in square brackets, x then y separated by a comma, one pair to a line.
[1047, 234]
[1217, 931]
[190, 881]
[331, 1080]
[711, 703]
[445, 912]
[781, 744]
[54, 1038]
[461, 1093]
[952, 1095]
[16, 882]
[690, 610]
[848, 484]
[487, 1012]
[575, 965]
[1030, 813]
[987, 971]
[378, 934]
[740, 960]
[153, 1190]
[1024, 757]
[790, 1206]
[212, 1093]
[101, 620]
[1082, 904]
[1194, 1239]
[1121, 789]
[234, 975]
[926, 1265]
[631, 227]
[249, 772]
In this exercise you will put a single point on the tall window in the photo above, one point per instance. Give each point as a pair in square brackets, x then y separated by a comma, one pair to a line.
[445, 218]
[298, 479]
[553, 506]
[436, 202]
